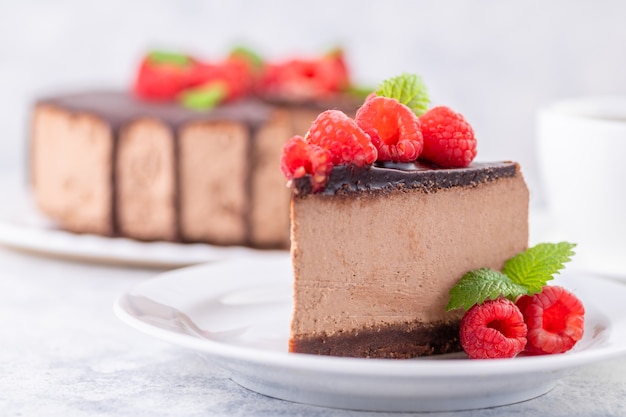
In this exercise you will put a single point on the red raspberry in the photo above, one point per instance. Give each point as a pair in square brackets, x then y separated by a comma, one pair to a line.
[448, 138]
[240, 74]
[555, 320]
[234, 73]
[301, 78]
[494, 329]
[338, 67]
[348, 144]
[393, 127]
[300, 158]
[250, 59]
[162, 81]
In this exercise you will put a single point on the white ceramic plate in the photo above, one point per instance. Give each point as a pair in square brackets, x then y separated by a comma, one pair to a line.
[22, 227]
[238, 311]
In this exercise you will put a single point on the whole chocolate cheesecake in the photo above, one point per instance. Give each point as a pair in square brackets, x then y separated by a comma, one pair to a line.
[107, 163]
[376, 253]
[191, 154]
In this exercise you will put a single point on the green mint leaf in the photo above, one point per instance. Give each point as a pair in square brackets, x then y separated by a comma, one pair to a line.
[166, 57]
[475, 287]
[205, 97]
[536, 266]
[248, 54]
[408, 89]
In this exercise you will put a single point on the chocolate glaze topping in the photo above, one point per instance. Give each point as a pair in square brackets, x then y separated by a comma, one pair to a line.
[119, 108]
[387, 176]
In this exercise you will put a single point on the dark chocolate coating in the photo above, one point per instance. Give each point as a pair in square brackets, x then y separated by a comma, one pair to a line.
[349, 179]
[119, 108]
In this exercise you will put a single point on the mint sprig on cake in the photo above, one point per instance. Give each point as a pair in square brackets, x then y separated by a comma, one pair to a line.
[408, 89]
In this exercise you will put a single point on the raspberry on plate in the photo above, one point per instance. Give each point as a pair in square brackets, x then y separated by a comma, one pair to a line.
[448, 139]
[334, 131]
[393, 127]
[300, 158]
[493, 329]
[555, 320]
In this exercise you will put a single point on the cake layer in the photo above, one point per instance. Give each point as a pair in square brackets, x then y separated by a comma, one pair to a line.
[105, 162]
[214, 190]
[145, 181]
[383, 246]
[78, 194]
[399, 341]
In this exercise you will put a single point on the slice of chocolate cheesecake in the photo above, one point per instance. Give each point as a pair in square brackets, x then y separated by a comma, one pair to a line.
[388, 213]
[376, 252]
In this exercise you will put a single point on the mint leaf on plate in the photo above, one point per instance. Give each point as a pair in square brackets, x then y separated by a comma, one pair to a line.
[525, 273]
[480, 285]
[536, 266]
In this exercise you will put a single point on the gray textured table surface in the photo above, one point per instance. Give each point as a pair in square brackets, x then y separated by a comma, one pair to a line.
[64, 353]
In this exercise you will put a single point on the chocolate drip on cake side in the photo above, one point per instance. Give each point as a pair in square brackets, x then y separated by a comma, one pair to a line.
[253, 129]
[178, 231]
[115, 138]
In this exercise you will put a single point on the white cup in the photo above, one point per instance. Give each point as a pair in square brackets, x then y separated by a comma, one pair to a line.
[582, 151]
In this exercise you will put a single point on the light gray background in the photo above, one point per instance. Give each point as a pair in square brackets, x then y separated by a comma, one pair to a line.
[495, 61]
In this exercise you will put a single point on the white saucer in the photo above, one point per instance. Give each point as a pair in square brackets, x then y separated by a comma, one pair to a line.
[238, 312]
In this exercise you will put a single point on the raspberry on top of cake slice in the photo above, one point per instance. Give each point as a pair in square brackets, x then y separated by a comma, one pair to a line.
[381, 206]
[393, 125]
